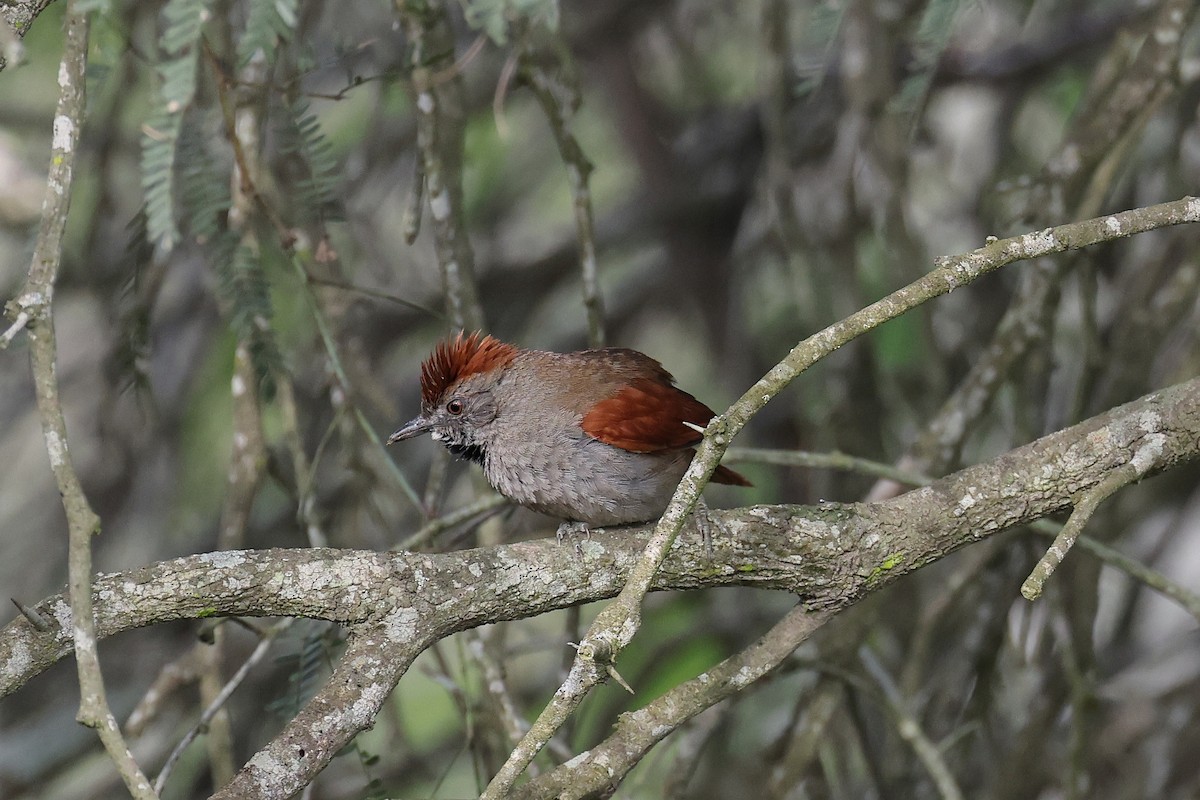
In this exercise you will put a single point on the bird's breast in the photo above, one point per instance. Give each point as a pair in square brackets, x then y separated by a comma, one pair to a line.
[571, 476]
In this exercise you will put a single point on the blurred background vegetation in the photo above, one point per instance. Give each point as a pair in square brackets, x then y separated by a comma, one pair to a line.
[761, 169]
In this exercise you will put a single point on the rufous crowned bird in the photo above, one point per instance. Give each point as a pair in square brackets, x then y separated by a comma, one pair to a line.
[595, 438]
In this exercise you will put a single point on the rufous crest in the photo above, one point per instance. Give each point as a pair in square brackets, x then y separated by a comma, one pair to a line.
[458, 358]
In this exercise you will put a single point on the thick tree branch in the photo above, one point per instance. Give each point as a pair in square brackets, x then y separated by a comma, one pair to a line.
[616, 625]
[398, 603]
[17, 17]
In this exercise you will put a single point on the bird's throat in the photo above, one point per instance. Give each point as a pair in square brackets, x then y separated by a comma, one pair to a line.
[471, 452]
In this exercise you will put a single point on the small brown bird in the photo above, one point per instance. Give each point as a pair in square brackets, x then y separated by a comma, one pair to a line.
[598, 437]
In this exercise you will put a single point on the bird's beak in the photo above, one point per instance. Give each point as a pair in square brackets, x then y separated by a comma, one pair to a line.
[414, 427]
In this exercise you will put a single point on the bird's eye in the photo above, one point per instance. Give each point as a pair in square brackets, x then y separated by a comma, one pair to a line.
[455, 407]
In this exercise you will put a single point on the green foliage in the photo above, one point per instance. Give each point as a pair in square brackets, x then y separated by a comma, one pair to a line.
[204, 197]
[243, 286]
[933, 33]
[820, 30]
[132, 350]
[303, 139]
[184, 21]
[267, 22]
[493, 17]
[159, 136]
[306, 668]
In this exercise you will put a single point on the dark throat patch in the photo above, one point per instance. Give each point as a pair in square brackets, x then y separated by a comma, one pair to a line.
[471, 452]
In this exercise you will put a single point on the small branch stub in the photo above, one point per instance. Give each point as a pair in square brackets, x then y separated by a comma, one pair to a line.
[1032, 588]
[599, 653]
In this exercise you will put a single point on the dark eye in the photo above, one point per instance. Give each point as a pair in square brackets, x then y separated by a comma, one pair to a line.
[455, 407]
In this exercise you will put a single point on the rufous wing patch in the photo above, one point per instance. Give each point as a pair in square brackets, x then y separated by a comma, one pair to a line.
[647, 416]
[457, 358]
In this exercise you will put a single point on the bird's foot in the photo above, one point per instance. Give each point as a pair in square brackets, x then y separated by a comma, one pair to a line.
[573, 528]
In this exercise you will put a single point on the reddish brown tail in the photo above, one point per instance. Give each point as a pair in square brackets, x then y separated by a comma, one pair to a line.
[726, 475]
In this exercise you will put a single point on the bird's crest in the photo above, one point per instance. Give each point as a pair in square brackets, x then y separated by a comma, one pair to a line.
[458, 358]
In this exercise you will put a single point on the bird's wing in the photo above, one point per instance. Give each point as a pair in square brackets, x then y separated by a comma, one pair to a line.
[647, 416]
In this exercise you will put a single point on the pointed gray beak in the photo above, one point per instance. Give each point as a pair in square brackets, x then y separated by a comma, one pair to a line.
[414, 427]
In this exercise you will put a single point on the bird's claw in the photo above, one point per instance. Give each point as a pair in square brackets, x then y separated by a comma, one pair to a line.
[573, 528]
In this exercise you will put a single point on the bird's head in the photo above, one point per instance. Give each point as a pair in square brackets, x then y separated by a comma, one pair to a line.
[457, 393]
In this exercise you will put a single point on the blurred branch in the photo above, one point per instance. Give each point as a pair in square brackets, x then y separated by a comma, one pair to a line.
[217, 704]
[484, 647]
[396, 604]
[547, 71]
[346, 386]
[1073, 183]
[689, 750]
[482, 508]
[1046, 46]
[184, 671]
[1135, 569]
[909, 728]
[835, 460]
[636, 732]
[437, 87]
[378, 295]
[806, 737]
[616, 625]
[33, 308]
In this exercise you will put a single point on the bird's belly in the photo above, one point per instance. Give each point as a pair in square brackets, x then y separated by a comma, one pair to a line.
[588, 481]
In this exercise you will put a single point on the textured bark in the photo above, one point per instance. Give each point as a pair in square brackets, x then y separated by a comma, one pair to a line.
[396, 604]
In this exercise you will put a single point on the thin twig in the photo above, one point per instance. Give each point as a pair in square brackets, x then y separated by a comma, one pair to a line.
[35, 304]
[17, 326]
[1087, 505]
[909, 728]
[219, 701]
[375, 293]
[414, 204]
[343, 380]
[503, 80]
[831, 460]
[556, 88]
[436, 525]
[1132, 567]
[618, 622]
[36, 618]
[495, 682]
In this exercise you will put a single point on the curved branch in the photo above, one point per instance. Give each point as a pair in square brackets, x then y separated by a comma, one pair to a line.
[397, 603]
[635, 733]
[344, 707]
[17, 16]
[616, 625]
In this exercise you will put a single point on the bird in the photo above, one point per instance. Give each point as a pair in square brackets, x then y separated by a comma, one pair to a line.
[595, 438]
